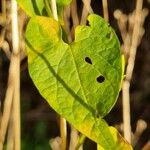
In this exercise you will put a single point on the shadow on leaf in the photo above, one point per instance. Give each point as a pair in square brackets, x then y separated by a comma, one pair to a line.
[70, 91]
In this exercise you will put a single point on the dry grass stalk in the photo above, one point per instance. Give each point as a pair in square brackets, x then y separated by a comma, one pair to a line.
[16, 94]
[55, 143]
[54, 9]
[131, 34]
[63, 133]
[87, 4]
[67, 15]
[4, 44]
[129, 71]
[140, 127]
[85, 11]
[7, 103]
[74, 14]
[105, 10]
[13, 89]
[74, 137]
[122, 23]
[10, 137]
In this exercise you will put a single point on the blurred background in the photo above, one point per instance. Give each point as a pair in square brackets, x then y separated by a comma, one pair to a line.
[39, 123]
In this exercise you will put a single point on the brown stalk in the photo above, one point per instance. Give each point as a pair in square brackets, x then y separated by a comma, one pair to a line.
[10, 137]
[105, 10]
[67, 15]
[7, 103]
[74, 13]
[86, 10]
[16, 94]
[129, 71]
[63, 133]
[74, 137]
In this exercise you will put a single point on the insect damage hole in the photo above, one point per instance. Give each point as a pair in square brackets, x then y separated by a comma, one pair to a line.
[88, 60]
[100, 79]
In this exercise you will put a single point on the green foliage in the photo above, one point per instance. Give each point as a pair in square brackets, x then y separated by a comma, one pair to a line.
[33, 7]
[80, 80]
[41, 7]
[63, 2]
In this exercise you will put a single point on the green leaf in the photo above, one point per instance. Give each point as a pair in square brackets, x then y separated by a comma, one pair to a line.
[33, 7]
[80, 80]
[37, 7]
[63, 2]
[122, 144]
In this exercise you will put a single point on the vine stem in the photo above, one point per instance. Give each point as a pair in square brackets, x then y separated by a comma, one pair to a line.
[46, 2]
[63, 123]
[129, 71]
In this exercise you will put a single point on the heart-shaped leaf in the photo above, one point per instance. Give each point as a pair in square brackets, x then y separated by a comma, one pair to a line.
[80, 80]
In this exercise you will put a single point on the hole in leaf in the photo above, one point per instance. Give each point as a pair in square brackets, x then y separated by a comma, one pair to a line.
[88, 60]
[108, 35]
[100, 79]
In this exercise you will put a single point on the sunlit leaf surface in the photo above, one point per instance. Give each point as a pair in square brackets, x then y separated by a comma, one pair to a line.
[80, 80]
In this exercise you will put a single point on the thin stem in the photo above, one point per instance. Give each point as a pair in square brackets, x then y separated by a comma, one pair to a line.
[54, 9]
[129, 71]
[7, 104]
[4, 44]
[81, 141]
[122, 23]
[67, 22]
[47, 6]
[140, 127]
[126, 111]
[86, 10]
[74, 14]
[74, 137]
[63, 133]
[16, 55]
[105, 10]
[87, 4]
[10, 136]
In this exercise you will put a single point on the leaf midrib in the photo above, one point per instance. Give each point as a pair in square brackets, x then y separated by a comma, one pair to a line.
[85, 98]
